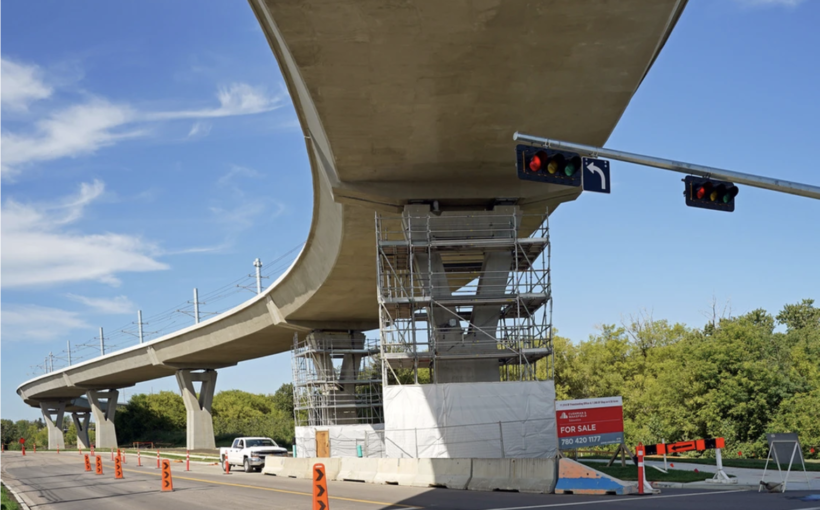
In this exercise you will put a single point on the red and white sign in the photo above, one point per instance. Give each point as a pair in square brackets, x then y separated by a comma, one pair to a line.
[590, 421]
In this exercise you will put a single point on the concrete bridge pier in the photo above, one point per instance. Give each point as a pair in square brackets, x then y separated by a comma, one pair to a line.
[200, 420]
[55, 424]
[104, 416]
[81, 420]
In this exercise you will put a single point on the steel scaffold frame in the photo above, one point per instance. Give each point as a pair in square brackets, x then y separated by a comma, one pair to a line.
[410, 293]
[318, 394]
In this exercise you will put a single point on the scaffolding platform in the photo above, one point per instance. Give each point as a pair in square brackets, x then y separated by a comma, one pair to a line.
[336, 380]
[447, 279]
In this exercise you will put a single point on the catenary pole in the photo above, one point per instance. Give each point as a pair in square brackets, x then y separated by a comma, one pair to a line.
[757, 181]
[102, 343]
[139, 323]
[258, 265]
[68, 345]
[196, 306]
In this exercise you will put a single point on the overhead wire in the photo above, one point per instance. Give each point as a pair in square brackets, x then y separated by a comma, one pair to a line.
[167, 319]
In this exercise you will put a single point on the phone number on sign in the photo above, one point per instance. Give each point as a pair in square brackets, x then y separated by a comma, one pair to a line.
[586, 440]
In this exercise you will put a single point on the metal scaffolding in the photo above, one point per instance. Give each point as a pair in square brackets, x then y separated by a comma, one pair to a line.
[464, 297]
[336, 380]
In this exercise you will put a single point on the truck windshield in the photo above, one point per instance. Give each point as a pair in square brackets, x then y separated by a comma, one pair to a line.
[259, 442]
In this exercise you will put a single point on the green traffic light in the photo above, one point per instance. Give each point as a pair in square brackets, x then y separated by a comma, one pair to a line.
[569, 169]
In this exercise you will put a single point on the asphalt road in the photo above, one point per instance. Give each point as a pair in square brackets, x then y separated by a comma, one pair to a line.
[51, 481]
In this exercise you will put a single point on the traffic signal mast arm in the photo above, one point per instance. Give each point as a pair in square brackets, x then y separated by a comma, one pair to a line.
[794, 188]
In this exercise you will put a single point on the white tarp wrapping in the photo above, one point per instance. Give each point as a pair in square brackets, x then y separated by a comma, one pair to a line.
[343, 439]
[471, 420]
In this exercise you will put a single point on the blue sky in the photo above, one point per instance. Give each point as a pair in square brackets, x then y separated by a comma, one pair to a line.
[151, 148]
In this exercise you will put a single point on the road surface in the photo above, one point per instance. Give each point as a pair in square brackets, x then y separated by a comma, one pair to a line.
[51, 481]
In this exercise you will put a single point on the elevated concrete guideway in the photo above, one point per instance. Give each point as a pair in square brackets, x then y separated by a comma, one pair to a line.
[415, 100]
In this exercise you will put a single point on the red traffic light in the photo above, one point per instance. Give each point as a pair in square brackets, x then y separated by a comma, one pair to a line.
[535, 163]
[703, 190]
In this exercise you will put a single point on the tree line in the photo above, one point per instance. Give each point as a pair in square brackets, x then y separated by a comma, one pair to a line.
[735, 377]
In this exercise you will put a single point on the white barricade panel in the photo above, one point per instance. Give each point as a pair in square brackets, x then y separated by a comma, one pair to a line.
[471, 420]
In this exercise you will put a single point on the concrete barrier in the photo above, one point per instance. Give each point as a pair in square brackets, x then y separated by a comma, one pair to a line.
[274, 466]
[397, 471]
[387, 471]
[358, 470]
[523, 475]
[577, 478]
[332, 467]
[450, 473]
[300, 467]
[297, 468]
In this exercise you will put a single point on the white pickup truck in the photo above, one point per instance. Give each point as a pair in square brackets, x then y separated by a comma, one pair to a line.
[250, 452]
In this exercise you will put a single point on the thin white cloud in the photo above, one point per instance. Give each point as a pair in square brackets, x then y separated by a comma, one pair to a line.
[26, 323]
[82, 129]
[115, 305]
[74, 131]
[237, 99]
[199, 129]
[240, 217]
[236, 171]
[38, 249]
[22, 85]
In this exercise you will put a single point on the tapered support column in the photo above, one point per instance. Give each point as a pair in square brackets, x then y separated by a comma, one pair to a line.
[200, 421]
[81, 424]
[339, 393]
[53, 415]
[104, 405]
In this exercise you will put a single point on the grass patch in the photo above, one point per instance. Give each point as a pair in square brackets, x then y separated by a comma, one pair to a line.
[147, 455]
[740, 463]
[8, 502]
[653, 475]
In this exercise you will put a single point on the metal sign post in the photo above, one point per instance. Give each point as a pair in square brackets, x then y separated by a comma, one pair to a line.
[785, 444]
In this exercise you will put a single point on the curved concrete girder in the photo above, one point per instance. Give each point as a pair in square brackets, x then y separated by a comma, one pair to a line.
[452, 141]
[419, 99]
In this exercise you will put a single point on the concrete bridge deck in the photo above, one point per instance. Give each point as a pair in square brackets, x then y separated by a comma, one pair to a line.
[401, 101]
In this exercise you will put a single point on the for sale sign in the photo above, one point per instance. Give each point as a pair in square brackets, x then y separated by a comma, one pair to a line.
[590, 422]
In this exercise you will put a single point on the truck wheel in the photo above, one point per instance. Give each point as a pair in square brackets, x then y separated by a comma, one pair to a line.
[248, 468]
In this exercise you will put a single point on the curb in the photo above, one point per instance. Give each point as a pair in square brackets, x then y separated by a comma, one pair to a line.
[702, 485]
[17, 496]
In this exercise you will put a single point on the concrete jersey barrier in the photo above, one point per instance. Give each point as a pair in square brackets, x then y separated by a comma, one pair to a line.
[274, 465]
[301, 467]
[397, 471]
[449, 473]
[523, 475]
[358, 470]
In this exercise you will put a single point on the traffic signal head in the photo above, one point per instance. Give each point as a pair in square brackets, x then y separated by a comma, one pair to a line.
[547, 165]
[709, 193]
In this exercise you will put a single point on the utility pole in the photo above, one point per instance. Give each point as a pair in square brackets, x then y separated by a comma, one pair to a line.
[258, 265]
[139, 323]
[196, 306]
[51, 361]
[102, 342]
[68, 344]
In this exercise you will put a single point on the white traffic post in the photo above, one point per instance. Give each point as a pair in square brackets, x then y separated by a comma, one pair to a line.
[720, 475]
[665, 467]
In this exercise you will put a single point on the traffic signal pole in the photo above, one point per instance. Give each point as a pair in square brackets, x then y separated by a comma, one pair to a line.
[757, 181]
